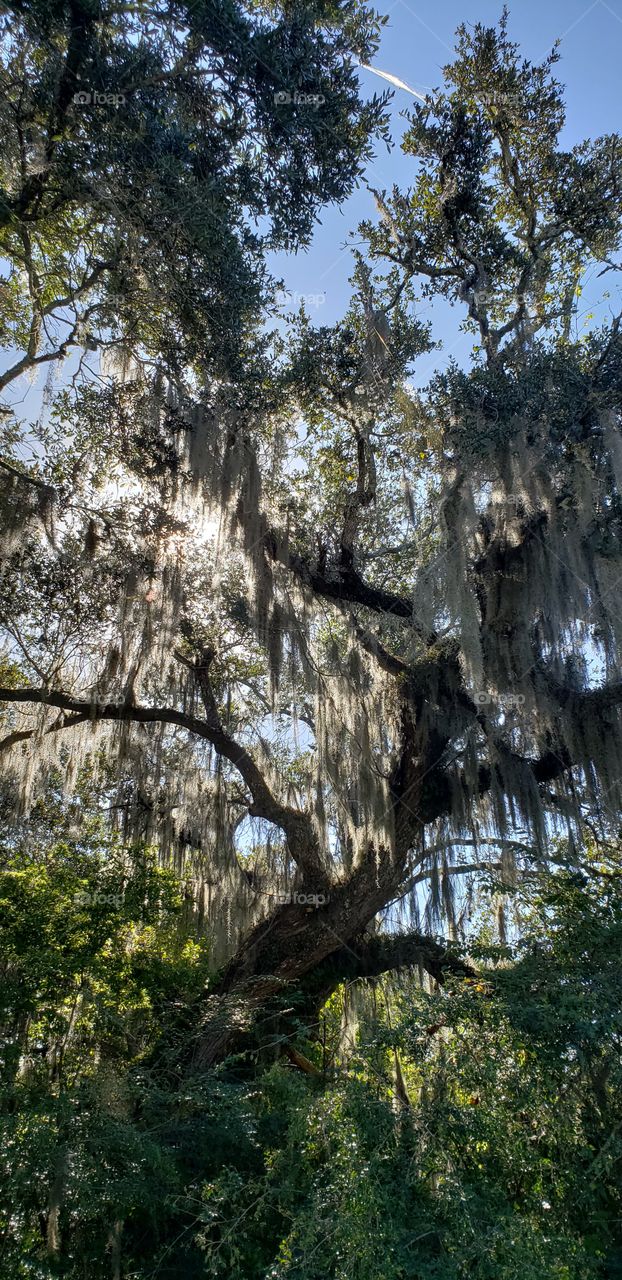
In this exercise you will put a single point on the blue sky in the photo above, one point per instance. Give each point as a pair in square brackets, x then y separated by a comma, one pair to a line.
[416, 44]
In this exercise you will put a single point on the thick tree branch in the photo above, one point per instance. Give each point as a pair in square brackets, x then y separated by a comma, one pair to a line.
[301, 838]
[390, 952]
[348, 587]
[363, 496]
[22, 475]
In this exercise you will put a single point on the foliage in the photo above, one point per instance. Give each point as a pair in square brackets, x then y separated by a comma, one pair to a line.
[500, 1160]
[504, 1162]
[141, 214]
[304, 653]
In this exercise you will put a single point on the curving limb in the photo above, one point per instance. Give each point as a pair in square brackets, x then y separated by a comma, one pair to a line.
[297, 826]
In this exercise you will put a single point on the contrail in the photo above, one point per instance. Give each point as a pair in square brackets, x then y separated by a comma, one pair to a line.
[399, 84]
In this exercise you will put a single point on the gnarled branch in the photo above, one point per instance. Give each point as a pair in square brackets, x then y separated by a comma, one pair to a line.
[302, 841]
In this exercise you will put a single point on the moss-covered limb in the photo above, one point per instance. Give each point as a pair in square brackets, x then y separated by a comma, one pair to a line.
[347, 586]
[267, 1009]
[385, 953]
[302, 840]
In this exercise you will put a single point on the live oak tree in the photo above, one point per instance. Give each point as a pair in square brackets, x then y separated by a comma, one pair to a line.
[319, 634]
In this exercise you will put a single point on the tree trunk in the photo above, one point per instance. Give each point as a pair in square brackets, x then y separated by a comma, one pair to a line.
[314, 950]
